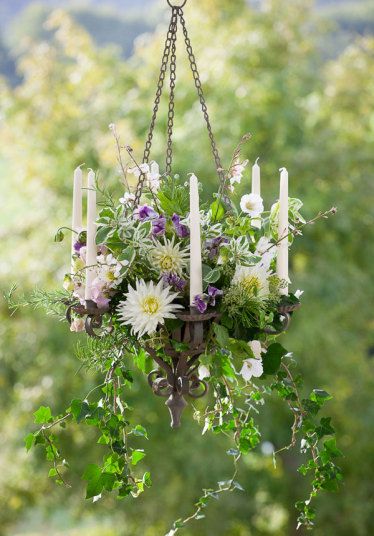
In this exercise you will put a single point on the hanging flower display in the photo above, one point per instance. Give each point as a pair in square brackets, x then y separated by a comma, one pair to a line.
[194, 295]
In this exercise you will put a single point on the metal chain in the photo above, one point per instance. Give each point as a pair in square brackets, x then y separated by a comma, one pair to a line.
[204, 108]
[170, 50]
[173, 77]
[160, 84]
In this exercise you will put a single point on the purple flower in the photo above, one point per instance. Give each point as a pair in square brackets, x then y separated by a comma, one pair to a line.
[214, 244]
[200, 302]
[173, 280]
[181, 230]
[144, 212]
[213, 293]
[78, 245]
[158, 226]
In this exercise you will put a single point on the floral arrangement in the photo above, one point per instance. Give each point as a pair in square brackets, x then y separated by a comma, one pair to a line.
[141, 283]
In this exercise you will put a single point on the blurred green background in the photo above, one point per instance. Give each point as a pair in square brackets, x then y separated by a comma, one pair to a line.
[300, 77]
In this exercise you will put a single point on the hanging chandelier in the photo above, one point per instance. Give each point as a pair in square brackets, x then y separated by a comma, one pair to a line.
[194, 295]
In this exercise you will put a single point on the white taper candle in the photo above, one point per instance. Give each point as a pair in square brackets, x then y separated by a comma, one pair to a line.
[282, 247]
[256, 189]
[91, 253]
[196, 272]
[76, 224]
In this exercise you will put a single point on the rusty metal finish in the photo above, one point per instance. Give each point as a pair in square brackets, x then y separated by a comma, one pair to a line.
[177, 376]
[286, 311]
[93, 313]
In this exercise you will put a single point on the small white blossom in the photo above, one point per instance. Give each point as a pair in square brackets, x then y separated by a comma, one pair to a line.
[299, 293]
[252, 204]
[127, 198]
[251, 368]
[77, 325]
[203, 372]
[266, 250]
[256, 348]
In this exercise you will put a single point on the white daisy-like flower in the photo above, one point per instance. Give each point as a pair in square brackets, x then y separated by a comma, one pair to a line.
[252, 368]
[253, 279]
[266, 250]
[147, 306]
[256, 348]
[252, 204]
[169, 257]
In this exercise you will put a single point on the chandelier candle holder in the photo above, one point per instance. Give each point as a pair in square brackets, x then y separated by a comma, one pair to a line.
[193, 294]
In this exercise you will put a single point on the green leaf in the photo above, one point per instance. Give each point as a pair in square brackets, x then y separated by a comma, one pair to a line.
[319, 396]
[127, 254]
[240, 349]
[213, 276]
[92, 474]
[147, 479]
[217, 210]
[272, 359]
[103, 233]
[222, 335]
[136, 456]
[52, 472]
[42, 415]
[140, 431]
[59, 236]
[29, 441]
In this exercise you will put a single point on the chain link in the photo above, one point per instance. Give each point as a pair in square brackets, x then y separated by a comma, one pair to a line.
[204, 108]
[170, 52]
[160, 84]
[173, 77]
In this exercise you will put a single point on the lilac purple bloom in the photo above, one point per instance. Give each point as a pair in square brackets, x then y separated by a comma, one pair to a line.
[173, 280]
[144, 212]
[214, 244]
[200, 302]
[78, 245]
[181, 229]
[158, 226]
[213, 293]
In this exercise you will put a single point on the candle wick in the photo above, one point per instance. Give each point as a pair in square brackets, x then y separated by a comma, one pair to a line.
[282, 169]
[80, 165]
[257, 159]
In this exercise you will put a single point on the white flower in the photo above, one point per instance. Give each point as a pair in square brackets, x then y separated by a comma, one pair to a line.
[168, 257]
[252, 204]
[109, 270]
[256, 348]
[237, 174]
[266, 250]
[147, 306]
[77, 325]
[254, 279]
[138, 170]
[127, 198]
[299, 293]
[251, 368]
[203, 372]
[153, 177]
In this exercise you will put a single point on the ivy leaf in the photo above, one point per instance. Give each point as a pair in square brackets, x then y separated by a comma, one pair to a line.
[325, 427]
[147, 479]
[240, 349]
[319, 396]
[42, 415]
[221, 334]
[128, 254]
[272, 359]
[142, 360]
[140, 431]
[136, 456]
[29, 441]
[92, 474]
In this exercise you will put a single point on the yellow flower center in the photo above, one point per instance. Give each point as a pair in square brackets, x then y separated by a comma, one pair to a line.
[110, 276]
[249, 205]
[251, 283]
[166, 263]
[151, 305]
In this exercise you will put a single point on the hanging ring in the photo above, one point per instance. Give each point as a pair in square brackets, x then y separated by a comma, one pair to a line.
[178, 7]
